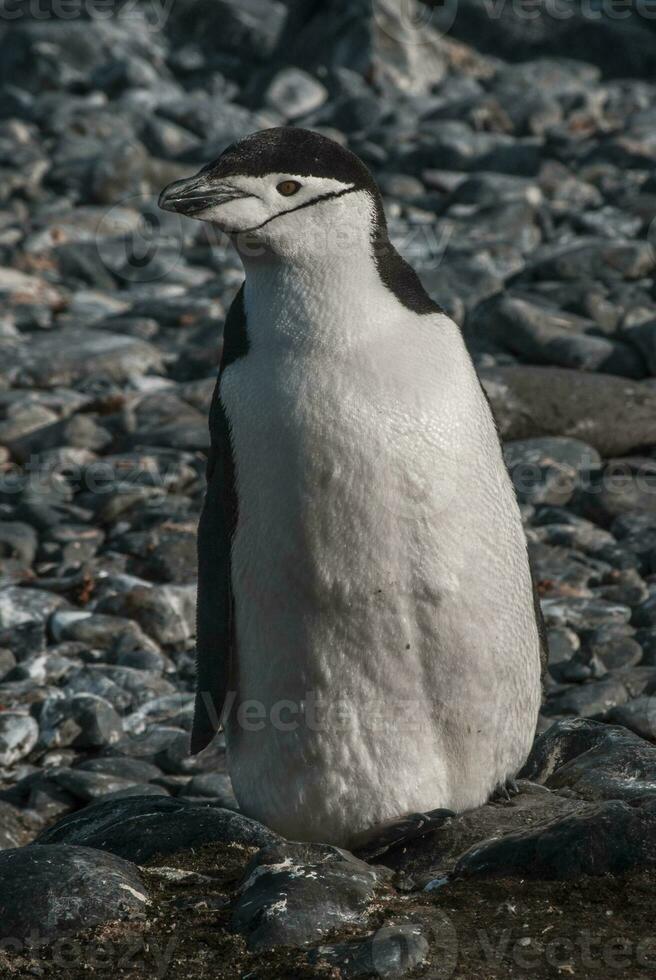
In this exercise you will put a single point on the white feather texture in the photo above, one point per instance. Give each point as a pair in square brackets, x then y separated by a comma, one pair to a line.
[387, 647]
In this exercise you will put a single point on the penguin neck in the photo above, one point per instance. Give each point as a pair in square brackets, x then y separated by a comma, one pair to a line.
[313, 298]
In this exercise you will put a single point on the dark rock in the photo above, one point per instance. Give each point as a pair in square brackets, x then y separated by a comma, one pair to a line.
[456, 146]
[647, 640]
[174, 757]
[131, 790]
[95, 680]
[611, 651]
[70, 544]
[216, 786]
[295, 893]
[154, 743]
[167, 613]
[595, 259]
[638, 715]
[643, 335]
[434, 856]
[626, 588]
[138, 828]
[619, 490]
[398, 49]
[563, 644]
[124, 686]
[392, 951]
[645, 614]
[168, 555]
[50, 892]
[89, 786]
[612, 838]
[593, 761]
[563, 529]
[101, 632]
[621, 47]
[594, 698]
[613, 415]
[634, 526]
[83, 720]
[459, 281]
[544, 334]
[248, 31]
[584, 613]
[76, 47]
[610, 222]
[80, 431]
[548, 470]
[39, 795]
[18, 542]
[489, 188]
[136, 769]
[143, 660]
[15, 830]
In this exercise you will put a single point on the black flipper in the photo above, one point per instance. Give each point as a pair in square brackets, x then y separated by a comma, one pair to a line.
[214, 614]
[542, 631]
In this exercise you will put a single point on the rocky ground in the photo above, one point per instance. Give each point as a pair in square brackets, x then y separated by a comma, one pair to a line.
[524, 192]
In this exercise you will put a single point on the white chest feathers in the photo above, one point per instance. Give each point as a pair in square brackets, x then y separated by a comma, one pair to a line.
[387, 648]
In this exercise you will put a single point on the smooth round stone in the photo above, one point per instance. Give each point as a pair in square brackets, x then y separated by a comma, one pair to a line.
[548, 470]
[612, 414]
[295, 93]
[139, 827]
[50, 892]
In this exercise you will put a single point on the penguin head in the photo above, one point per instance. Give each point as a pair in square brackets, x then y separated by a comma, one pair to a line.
[283, 188]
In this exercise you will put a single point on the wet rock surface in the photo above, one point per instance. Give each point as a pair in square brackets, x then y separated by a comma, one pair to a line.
[140, 828]
[611, 838]
[50, 892]
[293, 894]
[516, 159]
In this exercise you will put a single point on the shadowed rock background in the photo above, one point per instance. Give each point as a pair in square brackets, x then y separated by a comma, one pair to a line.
[515, 145]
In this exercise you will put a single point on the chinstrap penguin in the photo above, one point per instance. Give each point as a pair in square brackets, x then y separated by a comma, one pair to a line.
[368, 631]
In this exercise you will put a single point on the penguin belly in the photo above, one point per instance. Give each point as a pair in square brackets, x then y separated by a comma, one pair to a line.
[387, 654]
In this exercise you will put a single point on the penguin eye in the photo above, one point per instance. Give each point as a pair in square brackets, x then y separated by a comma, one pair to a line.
[288, 187]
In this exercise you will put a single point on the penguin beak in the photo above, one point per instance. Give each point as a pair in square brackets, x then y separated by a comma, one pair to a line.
[195, 194]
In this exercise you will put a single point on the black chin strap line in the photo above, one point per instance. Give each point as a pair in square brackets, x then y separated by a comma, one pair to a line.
[315, 200]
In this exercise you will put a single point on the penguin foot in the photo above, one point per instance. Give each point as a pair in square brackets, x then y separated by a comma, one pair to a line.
[505, 792]
[390, 836]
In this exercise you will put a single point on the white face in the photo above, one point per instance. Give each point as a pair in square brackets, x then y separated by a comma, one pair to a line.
[283, 212]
